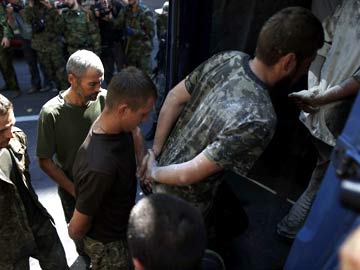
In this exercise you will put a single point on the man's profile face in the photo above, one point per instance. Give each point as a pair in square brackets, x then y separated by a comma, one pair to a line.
[133, 118]
[299, 70]
[88, 87]
[7, 121]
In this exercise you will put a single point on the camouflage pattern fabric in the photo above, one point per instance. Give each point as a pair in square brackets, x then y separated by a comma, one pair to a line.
[137, 47]
[230, 119]
[47, 43]
[80, 31]
[108, 256]
[6, 66]
[17, 238]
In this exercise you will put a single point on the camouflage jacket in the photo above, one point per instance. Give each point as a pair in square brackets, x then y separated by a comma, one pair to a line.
[16, 235]
[80, 30]
[142, 23]
[45, 33]
[5, 30]
[229, 118]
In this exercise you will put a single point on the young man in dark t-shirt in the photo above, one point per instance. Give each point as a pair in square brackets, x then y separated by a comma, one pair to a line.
[105, 168]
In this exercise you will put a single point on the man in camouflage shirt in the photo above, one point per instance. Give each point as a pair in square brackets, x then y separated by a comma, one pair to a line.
[138, 26]
[79, 28]
[221, 116]
[46, 40]
[26, 228]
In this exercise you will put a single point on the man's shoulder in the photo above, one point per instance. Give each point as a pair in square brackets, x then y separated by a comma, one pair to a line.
[53, 104]
[19, 134]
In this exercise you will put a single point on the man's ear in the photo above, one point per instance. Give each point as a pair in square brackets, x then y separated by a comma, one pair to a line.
[71, 79]
[288, 63]
[137, 264]
[122, 109]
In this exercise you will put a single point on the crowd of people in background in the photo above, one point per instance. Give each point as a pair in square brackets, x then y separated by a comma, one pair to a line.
[219, 118]
[121, 33]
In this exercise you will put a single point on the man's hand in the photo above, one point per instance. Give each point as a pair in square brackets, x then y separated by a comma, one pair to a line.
[5, 42]
[129, 31]
[306, 100]
[350, 252]
[145, 184]
[151, 166]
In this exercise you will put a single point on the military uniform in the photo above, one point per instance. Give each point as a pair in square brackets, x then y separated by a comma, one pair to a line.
[229, 118]
[139, 45]
[47, 43]
[26, 228]
[80, 31]
[6, 65]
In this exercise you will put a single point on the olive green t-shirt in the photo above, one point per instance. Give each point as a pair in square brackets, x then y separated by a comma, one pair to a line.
[62, 128]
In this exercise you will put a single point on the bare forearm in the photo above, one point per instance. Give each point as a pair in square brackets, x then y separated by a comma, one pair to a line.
[56, 174]
[173, 105]
[139, 145]
[182, 174]
[346, 89]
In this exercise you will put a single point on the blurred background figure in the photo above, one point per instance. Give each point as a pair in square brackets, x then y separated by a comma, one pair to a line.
[23, 31]
[46, 41]
[137, 22]
[6, 65]
[159, 70]
[111, 39]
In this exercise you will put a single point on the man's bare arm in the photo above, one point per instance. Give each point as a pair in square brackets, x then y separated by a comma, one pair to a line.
[56, 174]
[181, 174]
[170, 111]
[79, 225]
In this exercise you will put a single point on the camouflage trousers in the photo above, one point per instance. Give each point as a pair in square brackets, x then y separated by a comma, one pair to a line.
[53, 64]
[7, 69]
[48, 250]
[113, 255]
[140, 60]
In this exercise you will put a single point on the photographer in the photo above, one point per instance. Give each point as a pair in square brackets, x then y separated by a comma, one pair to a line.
[111, 39]
[42, 17]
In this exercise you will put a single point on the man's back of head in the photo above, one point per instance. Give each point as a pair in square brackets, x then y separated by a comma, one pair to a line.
[291, 30]
[165, 232]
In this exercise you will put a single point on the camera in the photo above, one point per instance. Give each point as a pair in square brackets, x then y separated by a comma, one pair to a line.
[61, 5]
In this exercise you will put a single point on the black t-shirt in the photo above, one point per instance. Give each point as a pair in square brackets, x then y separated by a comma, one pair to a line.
[105, 183]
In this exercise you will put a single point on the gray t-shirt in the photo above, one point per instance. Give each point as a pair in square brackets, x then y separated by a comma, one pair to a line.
[229, 118]
[63, 127]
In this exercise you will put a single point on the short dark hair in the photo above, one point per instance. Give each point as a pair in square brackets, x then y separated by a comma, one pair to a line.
[5, 105]
[291, 30]
[166, 232]
[131, 86]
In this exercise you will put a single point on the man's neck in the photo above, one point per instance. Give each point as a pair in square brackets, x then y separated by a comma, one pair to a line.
[263, 72]
[72, 97]
[107, 124]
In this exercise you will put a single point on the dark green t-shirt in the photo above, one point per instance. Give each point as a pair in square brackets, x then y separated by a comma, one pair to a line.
[62, 127]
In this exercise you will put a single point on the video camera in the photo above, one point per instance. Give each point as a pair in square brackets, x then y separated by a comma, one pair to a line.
[61, 5]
